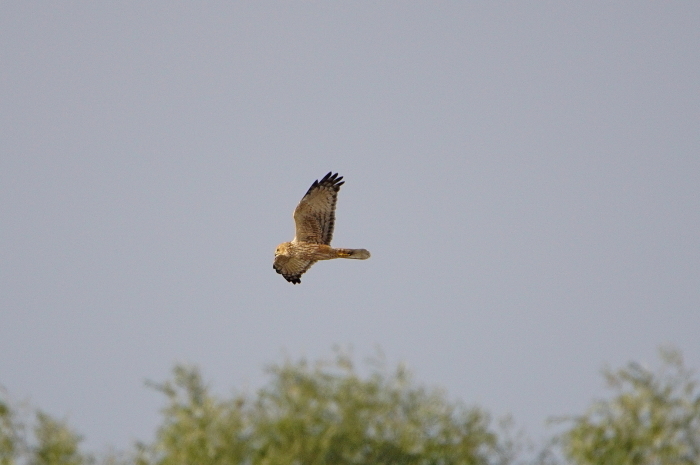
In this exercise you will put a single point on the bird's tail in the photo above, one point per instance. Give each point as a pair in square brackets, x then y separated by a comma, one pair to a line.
[357, 254]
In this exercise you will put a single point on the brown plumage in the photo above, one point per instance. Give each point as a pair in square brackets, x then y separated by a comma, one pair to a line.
[315, 219]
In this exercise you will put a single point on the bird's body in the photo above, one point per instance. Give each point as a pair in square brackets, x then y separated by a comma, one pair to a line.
[315, 219]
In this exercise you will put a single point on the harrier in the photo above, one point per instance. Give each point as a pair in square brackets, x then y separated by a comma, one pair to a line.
[314, 218]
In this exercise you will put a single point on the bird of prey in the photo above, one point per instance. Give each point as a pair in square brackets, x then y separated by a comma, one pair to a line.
[314, 218]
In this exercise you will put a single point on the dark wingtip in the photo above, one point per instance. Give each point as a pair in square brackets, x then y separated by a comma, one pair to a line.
[331, 180]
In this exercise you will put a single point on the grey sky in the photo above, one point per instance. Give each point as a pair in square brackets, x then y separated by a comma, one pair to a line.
[526, 176]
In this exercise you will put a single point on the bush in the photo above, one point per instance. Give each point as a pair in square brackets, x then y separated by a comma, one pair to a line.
[321, 414]
[653, 420]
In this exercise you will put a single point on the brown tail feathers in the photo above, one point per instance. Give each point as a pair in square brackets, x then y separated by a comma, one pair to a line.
[357, 254]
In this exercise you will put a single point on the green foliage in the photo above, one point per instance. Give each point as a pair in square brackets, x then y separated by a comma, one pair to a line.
[321, 414]
[653, 419]
[56, 443]
[8, 435]
[327, 413]
[198, 428]
[317, 416]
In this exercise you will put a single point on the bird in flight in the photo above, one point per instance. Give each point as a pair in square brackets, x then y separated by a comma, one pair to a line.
[314, 218]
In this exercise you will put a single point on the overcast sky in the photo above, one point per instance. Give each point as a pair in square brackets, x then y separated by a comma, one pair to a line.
[525, 174]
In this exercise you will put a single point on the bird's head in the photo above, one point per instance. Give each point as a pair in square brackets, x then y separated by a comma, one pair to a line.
[281, 249]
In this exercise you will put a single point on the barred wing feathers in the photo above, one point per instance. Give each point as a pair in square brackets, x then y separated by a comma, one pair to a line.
[315, 215]
[291, 267]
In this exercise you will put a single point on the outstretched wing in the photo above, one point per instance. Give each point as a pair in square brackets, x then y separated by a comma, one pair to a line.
[291, 268]
[315, 214]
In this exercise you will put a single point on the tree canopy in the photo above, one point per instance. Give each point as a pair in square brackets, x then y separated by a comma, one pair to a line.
[654, 418]
[319, 414]
[327, 413]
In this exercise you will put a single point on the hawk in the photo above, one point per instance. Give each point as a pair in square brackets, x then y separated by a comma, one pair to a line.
[314, 218]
